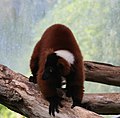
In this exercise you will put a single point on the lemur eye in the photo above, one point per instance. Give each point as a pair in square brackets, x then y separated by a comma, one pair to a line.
[51, 70]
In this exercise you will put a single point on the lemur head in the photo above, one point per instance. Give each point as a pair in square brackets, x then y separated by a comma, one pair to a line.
[57, 65]
[51, 69]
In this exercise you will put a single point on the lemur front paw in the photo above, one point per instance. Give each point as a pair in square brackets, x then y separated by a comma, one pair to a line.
[76, 102]
[55, 102]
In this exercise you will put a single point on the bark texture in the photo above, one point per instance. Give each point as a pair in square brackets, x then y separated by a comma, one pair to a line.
[102, 73]
[19, 95]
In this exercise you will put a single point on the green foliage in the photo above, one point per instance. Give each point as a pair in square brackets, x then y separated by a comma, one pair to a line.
[6, 113]
[93, 24]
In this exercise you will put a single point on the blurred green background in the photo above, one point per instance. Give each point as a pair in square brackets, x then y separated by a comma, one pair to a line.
[95, 24]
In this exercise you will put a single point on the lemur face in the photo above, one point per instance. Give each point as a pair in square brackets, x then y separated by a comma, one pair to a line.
[52, 70]
[49, 73]
[58, 64]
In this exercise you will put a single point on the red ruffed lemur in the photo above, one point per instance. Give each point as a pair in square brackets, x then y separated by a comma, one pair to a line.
[57, 56]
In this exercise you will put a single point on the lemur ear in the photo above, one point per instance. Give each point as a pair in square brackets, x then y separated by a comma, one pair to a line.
[64, 66]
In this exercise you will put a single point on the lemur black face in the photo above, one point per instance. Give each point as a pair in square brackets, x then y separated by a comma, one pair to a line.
[49, 73]
[51, 70]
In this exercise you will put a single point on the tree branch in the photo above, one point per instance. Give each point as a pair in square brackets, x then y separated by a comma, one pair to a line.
[23, 97]
[106, 104]
[102, 73]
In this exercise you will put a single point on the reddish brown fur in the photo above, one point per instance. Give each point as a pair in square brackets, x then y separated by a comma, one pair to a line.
[58, 37]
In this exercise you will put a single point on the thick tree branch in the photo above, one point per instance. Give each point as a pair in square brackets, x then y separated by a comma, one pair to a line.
[102, 73]
[106, 104]
[23, 97]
